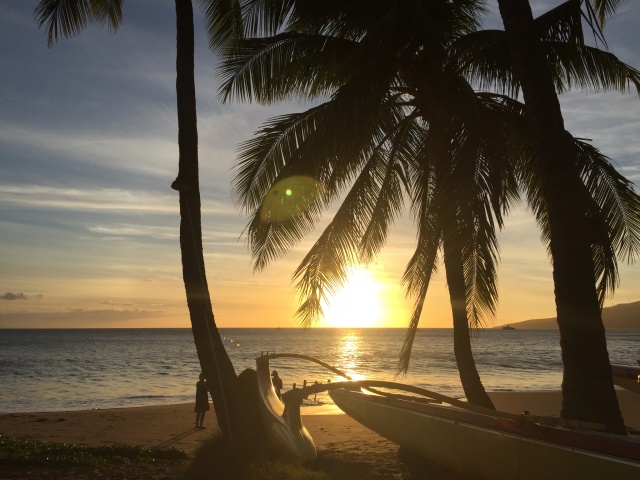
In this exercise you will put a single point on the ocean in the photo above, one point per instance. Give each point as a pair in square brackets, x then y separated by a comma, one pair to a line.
[82, 369]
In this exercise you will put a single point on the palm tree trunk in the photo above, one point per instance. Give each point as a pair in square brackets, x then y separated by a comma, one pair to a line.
[587, 386]
[214, 361]
[469, 376]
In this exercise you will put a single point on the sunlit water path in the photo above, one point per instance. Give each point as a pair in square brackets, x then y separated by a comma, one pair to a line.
[49, 370]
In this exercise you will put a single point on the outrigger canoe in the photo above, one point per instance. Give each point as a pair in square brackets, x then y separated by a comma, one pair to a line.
[626, 376]
[493, 446]
[473, 442]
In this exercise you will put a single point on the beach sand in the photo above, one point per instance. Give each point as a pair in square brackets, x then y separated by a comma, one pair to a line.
[347, 449]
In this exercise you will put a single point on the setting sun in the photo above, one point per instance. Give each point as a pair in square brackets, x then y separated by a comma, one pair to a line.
[358, 304]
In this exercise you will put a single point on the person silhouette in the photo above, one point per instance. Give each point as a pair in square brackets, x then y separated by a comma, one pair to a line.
[202, 401]
[277, 383]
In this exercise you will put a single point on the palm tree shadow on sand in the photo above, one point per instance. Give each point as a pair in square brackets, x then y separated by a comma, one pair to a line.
[176, 438]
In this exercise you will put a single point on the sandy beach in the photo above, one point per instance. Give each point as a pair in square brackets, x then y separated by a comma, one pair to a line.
[344, 445]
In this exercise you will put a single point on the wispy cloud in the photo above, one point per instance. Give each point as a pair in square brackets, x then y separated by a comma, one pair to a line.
[77, 317]
[60, 198]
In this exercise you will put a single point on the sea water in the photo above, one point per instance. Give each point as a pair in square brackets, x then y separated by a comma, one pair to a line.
[81, 369]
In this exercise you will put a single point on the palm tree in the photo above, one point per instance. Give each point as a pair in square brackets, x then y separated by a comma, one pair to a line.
[458, 214]
[287, 142]
[67, 18]
[588, 392]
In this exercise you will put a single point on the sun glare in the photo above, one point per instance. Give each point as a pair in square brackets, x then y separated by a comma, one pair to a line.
[358, 304]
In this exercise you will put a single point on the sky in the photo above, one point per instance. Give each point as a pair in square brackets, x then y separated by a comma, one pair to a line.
[89, 223]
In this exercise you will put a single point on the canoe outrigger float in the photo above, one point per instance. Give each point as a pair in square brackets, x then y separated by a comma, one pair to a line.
[472, 441]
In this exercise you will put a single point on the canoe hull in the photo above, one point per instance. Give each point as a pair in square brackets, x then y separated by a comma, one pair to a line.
[488, 448]
[626, 376]
[283, 424]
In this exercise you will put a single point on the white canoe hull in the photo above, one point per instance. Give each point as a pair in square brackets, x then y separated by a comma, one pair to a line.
[283, 425]
[477, 446]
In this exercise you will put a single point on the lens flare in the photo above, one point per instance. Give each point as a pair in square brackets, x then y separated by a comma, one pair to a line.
[289, 198]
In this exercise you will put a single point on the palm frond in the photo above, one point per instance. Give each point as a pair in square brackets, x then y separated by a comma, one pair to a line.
[407, 346]
[390, 199]
[589, 68]
[615, 197]
[288, 65]
[562, 23]
[265, 18]
[612, 208]
[325, 267]
[418, 273]
[605, 8]
[107, 12]
[480, 256]
[282, 221]
[223, 21]
[67, 18]
[261, 159]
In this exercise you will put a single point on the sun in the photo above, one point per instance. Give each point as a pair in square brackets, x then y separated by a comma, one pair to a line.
[358, 304]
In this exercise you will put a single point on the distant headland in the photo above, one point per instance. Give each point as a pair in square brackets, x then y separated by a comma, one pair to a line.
[624, 316]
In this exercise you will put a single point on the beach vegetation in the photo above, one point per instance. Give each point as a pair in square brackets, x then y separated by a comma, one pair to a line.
[216, 458]
[30, 452]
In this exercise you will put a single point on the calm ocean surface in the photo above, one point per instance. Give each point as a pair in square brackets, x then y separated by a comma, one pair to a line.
[50, 370]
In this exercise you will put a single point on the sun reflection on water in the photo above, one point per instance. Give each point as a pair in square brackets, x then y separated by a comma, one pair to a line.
[350, 354]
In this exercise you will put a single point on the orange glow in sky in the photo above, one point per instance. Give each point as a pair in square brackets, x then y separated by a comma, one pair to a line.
[89, 226]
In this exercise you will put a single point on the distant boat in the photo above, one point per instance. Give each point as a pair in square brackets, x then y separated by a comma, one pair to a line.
[508, 327]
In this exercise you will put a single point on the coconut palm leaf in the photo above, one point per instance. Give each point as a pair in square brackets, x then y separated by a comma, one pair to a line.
[66, 18]
[325, 268]
[307, 153]
[605, 8]
[485, 60]
[615, 197]
[589, 69]
[287, 66]
[424, 262]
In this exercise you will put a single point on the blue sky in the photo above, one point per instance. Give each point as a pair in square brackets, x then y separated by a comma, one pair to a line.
[88, 149]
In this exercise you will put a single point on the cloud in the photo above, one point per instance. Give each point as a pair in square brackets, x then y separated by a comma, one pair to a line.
[110, 199]
[13, 296]
[74, 318]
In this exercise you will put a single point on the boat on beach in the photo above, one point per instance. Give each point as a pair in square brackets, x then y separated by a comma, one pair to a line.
[469, 441]
[492, 446]
[627, 376]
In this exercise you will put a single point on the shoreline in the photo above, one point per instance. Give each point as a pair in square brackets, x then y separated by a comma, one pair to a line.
[346, 449]
[172, 425]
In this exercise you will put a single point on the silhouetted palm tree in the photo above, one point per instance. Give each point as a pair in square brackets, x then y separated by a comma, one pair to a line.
[367, 98]
[588, 392]
[371, 115]
[64, 18]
